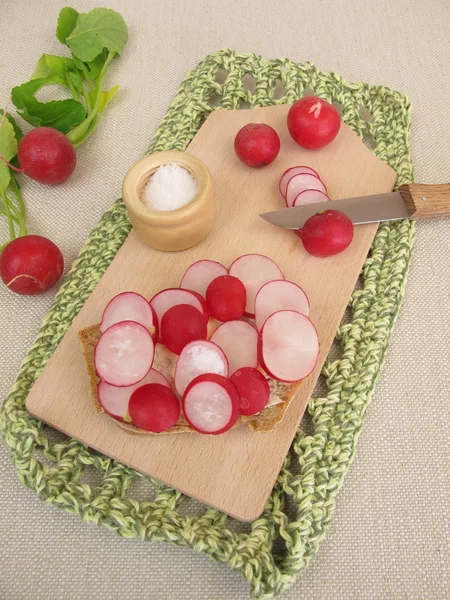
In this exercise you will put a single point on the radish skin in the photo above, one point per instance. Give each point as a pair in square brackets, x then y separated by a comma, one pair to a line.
[226, 298]
[253, 389]
[154, 407]
[254, 270]
[239, 341]
[200, 274]
[211, 404]
[124, 354]
[180, 325]
[288, 346]
[279, 295]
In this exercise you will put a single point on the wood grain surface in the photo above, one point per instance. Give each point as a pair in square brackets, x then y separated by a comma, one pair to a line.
[234, 472]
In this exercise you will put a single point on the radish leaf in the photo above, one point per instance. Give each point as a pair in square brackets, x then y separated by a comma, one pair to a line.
[98, 29]
[54, 67]
[63, 115]
[66, 23]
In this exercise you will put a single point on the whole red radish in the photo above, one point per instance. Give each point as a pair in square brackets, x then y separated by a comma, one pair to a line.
[46, 155]
[313, 122]
[226, 298]
[154, 407]
[327, 233]
[30, 265]
[257, 144]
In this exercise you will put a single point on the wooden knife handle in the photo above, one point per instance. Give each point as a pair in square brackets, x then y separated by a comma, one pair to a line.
[423, 200]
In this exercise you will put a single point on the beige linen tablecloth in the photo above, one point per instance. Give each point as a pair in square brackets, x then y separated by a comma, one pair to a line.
[390, 535]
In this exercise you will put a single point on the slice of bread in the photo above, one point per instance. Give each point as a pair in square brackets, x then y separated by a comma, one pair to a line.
[280, 396]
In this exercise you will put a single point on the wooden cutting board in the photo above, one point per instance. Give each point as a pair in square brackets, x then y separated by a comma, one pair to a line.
[234, 472]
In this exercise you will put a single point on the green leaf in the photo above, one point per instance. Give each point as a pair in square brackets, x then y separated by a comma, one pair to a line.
[67, 20]
[17, 131]
[63, 115]
[53, 68]
[98, 29]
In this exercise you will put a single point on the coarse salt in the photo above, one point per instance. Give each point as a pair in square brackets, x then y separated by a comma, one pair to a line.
[170, 187]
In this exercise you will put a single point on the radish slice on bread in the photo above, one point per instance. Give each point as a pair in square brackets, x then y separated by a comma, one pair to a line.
[124, 354]
[239, 341]
[211, 404]
[198, 358]
[254, 270]
[200, 274]
[114, 400]
[154, 407]
[253, 389]
[180, 325]
[288, 346]
[289, 173]
[130, 306]
[164, 300]
[300, 183]
[279, 295]
[226, 298]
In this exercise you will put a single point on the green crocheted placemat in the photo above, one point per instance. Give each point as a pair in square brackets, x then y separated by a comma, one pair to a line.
[279, 544]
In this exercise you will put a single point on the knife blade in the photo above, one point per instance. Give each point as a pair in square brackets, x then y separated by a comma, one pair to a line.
[365, 209]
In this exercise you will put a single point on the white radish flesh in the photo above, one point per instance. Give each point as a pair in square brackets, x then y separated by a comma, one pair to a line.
[164, 300]
[114, 400]
[211, 404]
[239, 341]
[124, 354]
[310, 197]
[287, 175]
[200, 274]
[254, 270]
[279, 295]
[198, 358]
[129, 306]
[300, 183]
[288, 346]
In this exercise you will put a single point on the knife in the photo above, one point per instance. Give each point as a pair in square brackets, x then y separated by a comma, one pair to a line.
[412, 201]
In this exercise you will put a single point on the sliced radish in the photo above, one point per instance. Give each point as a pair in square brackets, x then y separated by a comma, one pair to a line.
[289, 173]
[200, 274]
[198, 358]
[154, 407]
[130, 306]
[114, 400]
[288, 346]
[310, 197]
[239, 341]
[211, 404]
[300, 183]
[180, 325]
[124, 354]
[164, 300]
[226, 298]
[279, 295]
[253, 389]
[254, 270]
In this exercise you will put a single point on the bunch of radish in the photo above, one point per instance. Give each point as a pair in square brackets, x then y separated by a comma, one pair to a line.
[264, 332]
